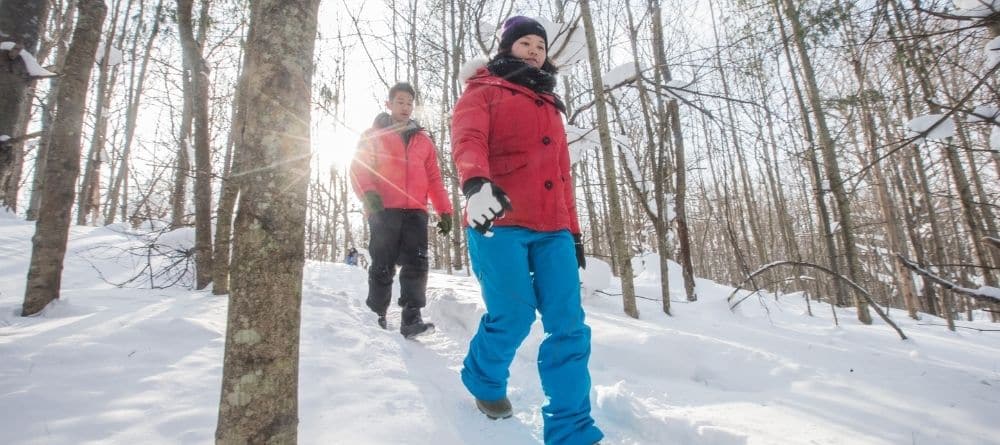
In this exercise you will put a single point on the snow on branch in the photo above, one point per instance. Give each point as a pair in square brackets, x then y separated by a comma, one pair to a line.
[567, 41]
[992, 242]
[621, 74]
[984, 113]
[986, 294]
[931, 127]
[976, 8]
[581, 141]
[979, 10]
[30, 64]
[865, 294]
[993, 52]
[6, 140]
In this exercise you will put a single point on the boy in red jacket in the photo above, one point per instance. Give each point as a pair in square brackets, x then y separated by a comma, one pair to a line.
[394, 172]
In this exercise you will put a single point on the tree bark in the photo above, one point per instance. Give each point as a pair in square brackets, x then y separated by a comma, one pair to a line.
[610, 177]
[680, 169]
[657, 215]
[198, 93]
[894, 232]
[52, 229]
[63, 34]
[830, 160]
[20, 22]
[819, 192]
[230, 192]
[89, 198]
[259, 397]
[178, 199]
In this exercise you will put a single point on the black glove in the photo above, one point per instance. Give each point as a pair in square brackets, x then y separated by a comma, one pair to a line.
[578, 243]
[444, 225]
[373, 203]
[484, 203]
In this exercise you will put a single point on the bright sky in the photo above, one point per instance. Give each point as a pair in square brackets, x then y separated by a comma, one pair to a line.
[334, 138]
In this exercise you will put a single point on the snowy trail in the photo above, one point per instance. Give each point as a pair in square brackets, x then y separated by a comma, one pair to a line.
[108, 365]
[410, 383]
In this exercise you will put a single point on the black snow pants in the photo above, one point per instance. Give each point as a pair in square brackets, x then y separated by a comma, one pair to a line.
[398, 237]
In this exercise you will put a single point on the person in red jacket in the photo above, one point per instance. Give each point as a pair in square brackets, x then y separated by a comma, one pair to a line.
[509, 148]
[394, 172]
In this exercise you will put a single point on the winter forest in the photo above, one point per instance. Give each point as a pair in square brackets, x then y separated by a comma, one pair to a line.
[840, 156]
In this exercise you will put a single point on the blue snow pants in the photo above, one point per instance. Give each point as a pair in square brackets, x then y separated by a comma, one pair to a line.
[522, 271]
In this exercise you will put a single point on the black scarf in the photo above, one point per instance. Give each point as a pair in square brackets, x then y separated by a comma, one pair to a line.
[517, 71]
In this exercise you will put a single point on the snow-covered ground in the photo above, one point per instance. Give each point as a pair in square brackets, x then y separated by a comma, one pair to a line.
[125, 366]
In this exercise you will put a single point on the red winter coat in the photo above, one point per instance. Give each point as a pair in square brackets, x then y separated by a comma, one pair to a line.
[515, 137]
[403, 175]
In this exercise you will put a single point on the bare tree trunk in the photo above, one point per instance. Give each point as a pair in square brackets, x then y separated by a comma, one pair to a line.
[132, 115]
[63, 35]
[411, 48]
[680, 169]
[259, 397]
[903, 171]
[657, 215]
[89, 198]
[829, 156]
[660, 156]
[230, 192]
[21, 23]
[178, 199]
[914, 168]
[812, 163]
[202, 150]
[52, 229]
[593, 212]
[610, 177]
[786, 228]
[894, 233]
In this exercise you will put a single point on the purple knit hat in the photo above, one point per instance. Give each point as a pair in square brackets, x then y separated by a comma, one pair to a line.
[519, 26]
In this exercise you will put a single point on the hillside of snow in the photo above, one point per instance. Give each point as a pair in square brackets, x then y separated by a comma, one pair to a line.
[129, 365]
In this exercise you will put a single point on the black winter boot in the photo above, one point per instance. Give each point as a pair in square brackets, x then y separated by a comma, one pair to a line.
[496, 409]
[412, 324]
[382, 323]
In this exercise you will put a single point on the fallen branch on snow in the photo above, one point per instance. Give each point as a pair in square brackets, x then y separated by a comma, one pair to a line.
[850, 282]
[963, 327]
[983, 294]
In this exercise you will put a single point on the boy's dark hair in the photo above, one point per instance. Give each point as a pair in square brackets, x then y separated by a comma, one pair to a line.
[402, 87]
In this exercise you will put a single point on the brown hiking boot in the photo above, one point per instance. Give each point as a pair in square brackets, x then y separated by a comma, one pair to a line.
[496, 409]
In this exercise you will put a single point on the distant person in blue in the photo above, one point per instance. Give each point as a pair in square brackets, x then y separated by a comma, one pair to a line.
[510, 152]
[352, 257]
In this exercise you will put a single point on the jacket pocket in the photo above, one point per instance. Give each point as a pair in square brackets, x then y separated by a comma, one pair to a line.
[508, 163]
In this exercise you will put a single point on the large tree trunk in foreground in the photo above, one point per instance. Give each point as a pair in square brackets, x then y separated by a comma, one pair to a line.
[259, 397]
[63, 167]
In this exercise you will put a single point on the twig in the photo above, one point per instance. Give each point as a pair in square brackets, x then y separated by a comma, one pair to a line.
[963, 327]
[618, 295]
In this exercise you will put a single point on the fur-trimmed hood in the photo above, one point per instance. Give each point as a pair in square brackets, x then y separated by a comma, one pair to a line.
[471, 67]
